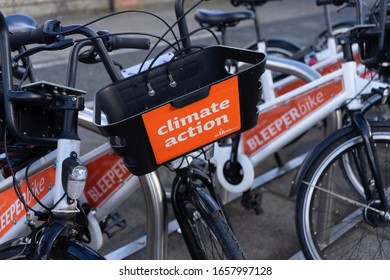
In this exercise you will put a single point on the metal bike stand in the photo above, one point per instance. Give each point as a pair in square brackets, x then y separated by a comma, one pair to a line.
[156, 208]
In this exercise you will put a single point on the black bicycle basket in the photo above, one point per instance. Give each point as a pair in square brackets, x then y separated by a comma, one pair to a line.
[180, 106]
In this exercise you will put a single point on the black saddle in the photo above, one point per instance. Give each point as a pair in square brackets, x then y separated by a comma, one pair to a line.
[221, 19]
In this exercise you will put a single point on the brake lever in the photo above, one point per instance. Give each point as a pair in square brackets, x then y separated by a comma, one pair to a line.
[59, 44]
[89, 56]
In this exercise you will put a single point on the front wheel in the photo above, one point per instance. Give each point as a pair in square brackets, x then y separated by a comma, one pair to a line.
[207, 233]
[338, 213]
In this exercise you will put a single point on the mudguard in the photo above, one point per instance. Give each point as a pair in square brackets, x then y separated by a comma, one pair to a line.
[51, 237]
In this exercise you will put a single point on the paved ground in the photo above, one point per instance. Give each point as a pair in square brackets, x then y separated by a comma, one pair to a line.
[270, 235]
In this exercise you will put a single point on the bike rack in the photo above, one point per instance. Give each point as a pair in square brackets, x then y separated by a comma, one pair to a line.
[137, 245]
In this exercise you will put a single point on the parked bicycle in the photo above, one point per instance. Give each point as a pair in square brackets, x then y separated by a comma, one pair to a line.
[235, 168]
[212, 98]
[342, 187]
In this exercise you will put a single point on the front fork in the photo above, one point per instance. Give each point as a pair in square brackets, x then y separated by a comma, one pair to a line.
[69, 245]
[365, 130]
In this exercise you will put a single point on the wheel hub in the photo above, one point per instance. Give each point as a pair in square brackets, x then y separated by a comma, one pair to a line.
[374, 218]
[233, 172]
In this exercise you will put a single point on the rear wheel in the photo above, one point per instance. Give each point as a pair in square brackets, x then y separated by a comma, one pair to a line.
[281, 48]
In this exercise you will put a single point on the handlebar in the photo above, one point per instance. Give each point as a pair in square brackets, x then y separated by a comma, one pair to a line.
[114, 42]
[52, 36]
[129, 43]
[49, 36]
[45, 34]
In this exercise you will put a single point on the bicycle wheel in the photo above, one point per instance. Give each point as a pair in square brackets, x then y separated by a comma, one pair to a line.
[205, 229]
[334, 217]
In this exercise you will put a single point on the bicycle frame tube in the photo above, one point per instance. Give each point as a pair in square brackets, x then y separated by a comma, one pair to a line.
[320, 107]
[64, 148]
[325, 66]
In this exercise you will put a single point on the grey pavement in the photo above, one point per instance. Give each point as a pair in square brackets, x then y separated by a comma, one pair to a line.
[271, 234]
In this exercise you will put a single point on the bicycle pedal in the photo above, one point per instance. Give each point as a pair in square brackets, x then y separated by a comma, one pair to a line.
[113, 224]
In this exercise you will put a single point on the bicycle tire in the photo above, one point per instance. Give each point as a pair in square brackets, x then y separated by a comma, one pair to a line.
[207, 233]
[333, 218]
[281, 48]
[24, 252]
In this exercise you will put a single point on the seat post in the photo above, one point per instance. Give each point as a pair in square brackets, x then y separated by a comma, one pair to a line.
[222, 29]
[252, 8]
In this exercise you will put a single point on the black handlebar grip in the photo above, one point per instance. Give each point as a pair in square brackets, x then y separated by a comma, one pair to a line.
[130, 43]
[34, 36]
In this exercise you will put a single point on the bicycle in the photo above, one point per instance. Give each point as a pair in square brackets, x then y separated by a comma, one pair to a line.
[235, 160]
[342, 187]
[103, 219]
[59, 238]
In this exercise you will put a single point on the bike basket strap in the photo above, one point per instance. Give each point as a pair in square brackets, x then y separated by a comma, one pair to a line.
[180, 106]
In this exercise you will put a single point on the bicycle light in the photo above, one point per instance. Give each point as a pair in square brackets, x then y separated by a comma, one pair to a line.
[74, 175]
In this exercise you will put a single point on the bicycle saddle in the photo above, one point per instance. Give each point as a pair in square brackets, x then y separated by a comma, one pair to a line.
[20, 23]
[249, 2]
[216, 18]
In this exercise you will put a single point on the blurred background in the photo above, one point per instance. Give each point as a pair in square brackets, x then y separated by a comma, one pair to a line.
[44, 8]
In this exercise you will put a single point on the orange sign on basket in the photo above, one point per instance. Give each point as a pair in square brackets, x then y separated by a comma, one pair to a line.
[175, 131]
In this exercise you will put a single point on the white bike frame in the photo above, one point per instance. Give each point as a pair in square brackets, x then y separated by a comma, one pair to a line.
[275, 131]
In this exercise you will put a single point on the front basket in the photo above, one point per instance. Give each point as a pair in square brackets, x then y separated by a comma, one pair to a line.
[180, 106]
